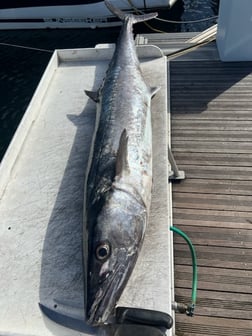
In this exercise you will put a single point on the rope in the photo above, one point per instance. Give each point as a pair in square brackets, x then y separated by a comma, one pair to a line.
[192, 21]
[25, 47]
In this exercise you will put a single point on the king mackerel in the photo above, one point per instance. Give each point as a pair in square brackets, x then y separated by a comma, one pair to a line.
[119, 177]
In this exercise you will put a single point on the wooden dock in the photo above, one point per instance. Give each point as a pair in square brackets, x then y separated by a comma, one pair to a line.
[211, 112]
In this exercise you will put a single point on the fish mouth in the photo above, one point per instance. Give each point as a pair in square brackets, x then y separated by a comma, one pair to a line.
[105, 298]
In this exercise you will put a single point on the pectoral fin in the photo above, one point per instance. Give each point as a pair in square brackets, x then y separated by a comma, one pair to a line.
[154, 90]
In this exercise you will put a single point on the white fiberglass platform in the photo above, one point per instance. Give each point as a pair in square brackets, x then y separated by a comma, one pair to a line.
[41, 190]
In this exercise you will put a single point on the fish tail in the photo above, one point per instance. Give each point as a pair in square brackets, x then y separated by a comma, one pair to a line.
[135, 18]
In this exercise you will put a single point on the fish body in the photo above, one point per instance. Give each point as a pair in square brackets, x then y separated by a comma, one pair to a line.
[119, 176]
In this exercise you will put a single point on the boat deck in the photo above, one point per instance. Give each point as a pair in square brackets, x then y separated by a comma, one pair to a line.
[211, 111]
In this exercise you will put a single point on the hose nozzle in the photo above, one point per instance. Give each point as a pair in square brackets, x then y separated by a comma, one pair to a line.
[183, 308]
[190, 309]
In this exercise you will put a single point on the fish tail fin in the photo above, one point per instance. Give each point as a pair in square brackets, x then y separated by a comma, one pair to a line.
[144, 17]
[135, 18]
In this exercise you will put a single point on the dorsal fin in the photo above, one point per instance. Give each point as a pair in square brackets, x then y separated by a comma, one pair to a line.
[94, 95]
[122, 164]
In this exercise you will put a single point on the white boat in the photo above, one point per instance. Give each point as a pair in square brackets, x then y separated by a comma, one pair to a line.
[42, 14]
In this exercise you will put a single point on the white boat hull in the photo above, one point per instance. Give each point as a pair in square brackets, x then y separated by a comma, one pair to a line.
[89, 15]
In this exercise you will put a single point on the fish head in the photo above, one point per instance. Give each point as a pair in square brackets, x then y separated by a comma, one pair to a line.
[113, 249]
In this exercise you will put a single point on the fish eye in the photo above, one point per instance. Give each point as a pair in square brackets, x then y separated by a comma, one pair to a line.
[102, 251]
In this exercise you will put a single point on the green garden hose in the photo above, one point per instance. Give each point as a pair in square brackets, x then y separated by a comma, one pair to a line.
[191, 307]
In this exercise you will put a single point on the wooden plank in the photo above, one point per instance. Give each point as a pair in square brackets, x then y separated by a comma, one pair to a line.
[217, 172]
[202, 135]
[206, 81]
[203, 88]
[213, 71]
[219, 257]
[213, 109]
[216, 304]
[217, 279]
[199, 54]
[209, 326]
[210, 186]
[210, 124]
[213, 159]
[224, 78]
[203, 81]
[212, 202]
[223, 82]
[223, 296]
[191, 66]
[239, 88]
[195, 113]
[212, 218]
[212, 147]
[213, 97]
[223, 237]
[202, 108]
